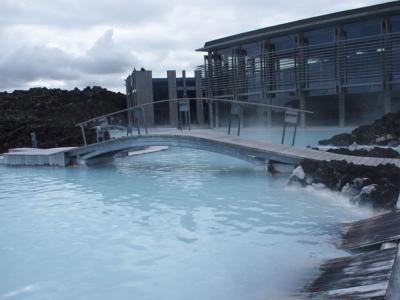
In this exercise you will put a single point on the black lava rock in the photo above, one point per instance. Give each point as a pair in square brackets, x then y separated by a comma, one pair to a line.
[377, 186]
[384, 131]
[374, 152]
[52, 114]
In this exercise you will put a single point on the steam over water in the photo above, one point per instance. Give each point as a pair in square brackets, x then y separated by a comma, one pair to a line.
[179, 224]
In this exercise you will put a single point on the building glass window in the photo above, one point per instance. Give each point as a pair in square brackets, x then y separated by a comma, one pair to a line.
[364, 51]
[395, 23]
[221, 72]
[362, 29]
[319, 59]
[283, 64]
[249, 69]
[395, 49]
[319, 36]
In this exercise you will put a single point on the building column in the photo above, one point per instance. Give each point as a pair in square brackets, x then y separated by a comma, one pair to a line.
[387, 98]
[172, 94]
[269, 114]
[129, 103]
[208, 66]
[199, 94]
[267, 75]
[387, 55]
[342, 117]
[144, 92]
[211, 113]
[302, 107]
[216, 115]
[300, 76]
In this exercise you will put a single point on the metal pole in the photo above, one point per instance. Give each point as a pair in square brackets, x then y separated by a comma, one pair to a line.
[189, 118]
[239, 125]
[83, 134]
[283, 134]
[294, 134]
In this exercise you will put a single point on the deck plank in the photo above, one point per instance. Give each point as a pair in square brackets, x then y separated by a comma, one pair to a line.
[376, 230]
[363, 276]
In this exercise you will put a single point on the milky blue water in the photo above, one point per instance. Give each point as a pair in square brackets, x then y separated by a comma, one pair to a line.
[179, 224]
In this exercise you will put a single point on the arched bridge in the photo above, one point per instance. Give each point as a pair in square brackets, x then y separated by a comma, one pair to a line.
[249, 150]
[254, 151]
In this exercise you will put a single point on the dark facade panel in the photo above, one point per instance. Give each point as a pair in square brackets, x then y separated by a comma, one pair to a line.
[357, 52]
[329, 20]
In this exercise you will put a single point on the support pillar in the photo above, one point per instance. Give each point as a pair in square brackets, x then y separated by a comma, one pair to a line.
[216, 115]
[172, 94]
[144, 94]
[342, 116]
[387, 98]
[211, 113]
[302, 114]
[269, 116]
[199, 94]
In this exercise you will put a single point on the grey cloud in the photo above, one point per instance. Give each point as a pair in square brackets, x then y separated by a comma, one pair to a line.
[28, 64]
[78, 13]
[161, 33]
[106, 57]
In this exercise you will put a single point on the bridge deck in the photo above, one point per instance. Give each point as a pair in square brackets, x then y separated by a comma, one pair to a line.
[230, 145]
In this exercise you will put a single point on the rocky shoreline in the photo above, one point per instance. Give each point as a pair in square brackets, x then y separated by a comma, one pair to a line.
[373, 152]
[374, 186]
[384, 131]
[52, 114]
[377, 187]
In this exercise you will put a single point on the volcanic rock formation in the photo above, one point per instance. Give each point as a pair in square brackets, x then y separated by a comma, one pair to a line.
[378, 186]
[52, 114]
[384, 131]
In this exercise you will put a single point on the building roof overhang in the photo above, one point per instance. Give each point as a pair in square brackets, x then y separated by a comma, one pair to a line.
[388, 8]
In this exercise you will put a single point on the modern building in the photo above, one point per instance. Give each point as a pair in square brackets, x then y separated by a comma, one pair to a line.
[344, 66]
[142, 88]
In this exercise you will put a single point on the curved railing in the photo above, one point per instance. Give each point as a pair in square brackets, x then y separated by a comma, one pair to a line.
[287, 110]
[215, 100]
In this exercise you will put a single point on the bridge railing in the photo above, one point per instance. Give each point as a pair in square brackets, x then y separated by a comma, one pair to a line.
[118, 119]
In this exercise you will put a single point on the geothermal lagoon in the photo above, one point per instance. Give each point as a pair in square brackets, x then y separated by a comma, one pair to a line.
[176, 224]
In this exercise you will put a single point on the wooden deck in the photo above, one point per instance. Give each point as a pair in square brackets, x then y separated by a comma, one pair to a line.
[372, 231]
[363, 276]
[211, 140]
[370, 275]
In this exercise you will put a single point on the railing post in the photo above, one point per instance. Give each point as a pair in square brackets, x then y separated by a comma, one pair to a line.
[83, 134]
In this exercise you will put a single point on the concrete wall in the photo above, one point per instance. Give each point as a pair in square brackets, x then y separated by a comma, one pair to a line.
[144, 94]
[172, 94]
[199, 94]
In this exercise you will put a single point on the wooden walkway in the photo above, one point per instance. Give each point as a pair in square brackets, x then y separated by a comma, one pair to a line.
[372, 231]
[211, 140]
[363, 276]
[374, 274]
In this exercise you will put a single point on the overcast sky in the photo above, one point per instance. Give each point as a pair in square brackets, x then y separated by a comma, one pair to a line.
[76, 43]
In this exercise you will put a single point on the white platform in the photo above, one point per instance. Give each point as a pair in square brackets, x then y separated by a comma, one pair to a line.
[37, 157]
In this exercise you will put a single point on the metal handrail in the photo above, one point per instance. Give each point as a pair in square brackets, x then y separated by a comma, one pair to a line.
[284, 108]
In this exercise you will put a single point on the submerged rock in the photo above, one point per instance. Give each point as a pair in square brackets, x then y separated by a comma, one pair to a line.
[377, 186]
[298, 176]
